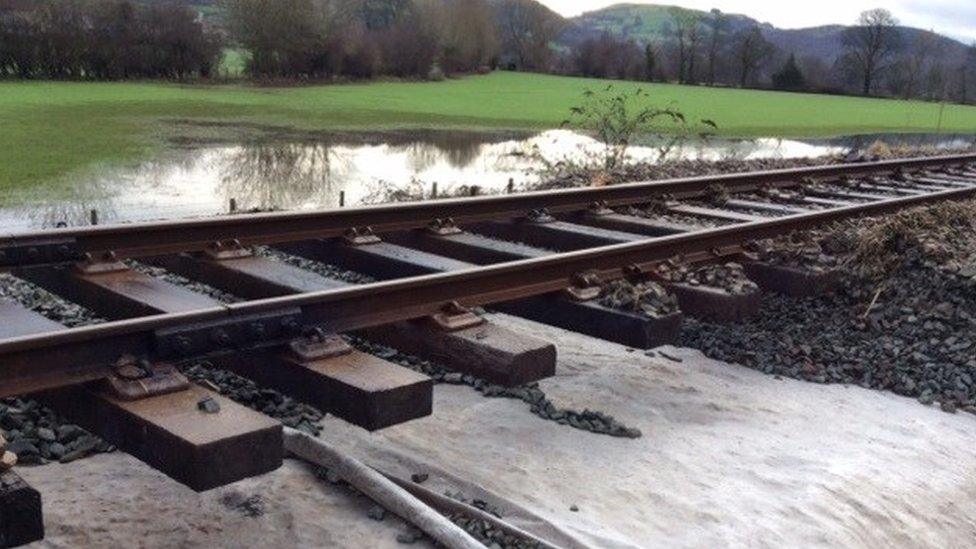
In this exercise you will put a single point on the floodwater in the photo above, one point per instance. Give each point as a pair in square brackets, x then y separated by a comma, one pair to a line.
[364, 169]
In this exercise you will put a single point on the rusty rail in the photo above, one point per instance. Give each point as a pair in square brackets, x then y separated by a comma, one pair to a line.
[56, 359]
[156, 238]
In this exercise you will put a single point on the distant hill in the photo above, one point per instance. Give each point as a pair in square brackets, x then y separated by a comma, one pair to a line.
[651, 22]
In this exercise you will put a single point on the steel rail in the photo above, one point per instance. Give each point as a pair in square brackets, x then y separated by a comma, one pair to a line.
[157, 238]
[45, 361]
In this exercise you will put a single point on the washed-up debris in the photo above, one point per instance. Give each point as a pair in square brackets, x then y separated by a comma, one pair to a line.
[7, 461]
[209, 405]
[249, 506]
[802, 250]
[730, 277]
[376, 513]
[717, 194]
[648, 298]
[411, 536]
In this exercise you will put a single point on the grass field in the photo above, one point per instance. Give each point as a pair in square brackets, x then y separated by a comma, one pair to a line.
[51, 129]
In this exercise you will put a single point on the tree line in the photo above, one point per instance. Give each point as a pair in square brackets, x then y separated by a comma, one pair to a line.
[407, 38]
[878, 58]
[427, 39]
[104, 39]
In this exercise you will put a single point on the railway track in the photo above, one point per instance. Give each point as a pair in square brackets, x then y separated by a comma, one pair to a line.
[542, 255]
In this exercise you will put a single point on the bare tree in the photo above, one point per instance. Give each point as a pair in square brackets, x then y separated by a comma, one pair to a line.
[909, 67]
[717, 23]
[871, 44]
[967, 72]
[468, 42]
[526, 28]
[683, 24]
[752, 51]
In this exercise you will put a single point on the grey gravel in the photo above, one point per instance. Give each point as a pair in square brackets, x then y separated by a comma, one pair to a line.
[919, 341]
[267, 401]
[531, 394]
[39, 436]
[484, 531]
[177, 280]
[43, 302]
[322, 269]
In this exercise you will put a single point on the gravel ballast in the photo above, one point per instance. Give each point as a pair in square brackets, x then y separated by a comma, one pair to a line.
[904, 319]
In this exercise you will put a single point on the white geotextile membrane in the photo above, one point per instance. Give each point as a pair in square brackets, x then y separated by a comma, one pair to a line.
[728, 457]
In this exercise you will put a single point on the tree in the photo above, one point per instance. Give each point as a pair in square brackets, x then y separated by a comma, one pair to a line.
[610, 57]
[526, 28]
[717, 23]
[752, 52]
[967, 71]
[909, 68]
[284, 37]
[467, 41]
[871, 44]
[789, 78]
[650, 62]
[684, 25]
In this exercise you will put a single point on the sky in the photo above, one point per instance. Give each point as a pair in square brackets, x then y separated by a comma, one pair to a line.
[956, 18]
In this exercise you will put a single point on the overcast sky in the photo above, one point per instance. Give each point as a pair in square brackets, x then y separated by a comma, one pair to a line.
[956, 18]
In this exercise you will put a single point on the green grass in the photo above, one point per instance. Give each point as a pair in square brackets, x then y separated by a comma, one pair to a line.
[51, 130]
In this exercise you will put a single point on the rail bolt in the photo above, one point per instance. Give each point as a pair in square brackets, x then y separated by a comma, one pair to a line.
[290, 325]
[183, 344]
[220, 337]
[257, 329]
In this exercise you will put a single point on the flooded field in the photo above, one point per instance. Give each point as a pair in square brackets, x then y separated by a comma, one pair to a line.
[361, 169]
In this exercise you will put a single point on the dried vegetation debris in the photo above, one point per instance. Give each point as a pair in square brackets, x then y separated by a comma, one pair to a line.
[648, 298]
[730, 277]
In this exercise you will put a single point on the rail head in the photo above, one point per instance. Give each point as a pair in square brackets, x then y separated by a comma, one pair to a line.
[63, 245]
[51, 360]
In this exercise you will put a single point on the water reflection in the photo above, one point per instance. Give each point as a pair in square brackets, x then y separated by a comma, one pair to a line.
[306, 175]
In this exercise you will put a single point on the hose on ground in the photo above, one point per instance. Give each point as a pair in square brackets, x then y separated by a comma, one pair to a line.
[380, 489]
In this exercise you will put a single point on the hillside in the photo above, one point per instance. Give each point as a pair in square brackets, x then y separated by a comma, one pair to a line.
[651, 23]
